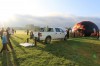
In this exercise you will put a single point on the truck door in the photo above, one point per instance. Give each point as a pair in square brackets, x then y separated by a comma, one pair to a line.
[62, 34]
[57, 33]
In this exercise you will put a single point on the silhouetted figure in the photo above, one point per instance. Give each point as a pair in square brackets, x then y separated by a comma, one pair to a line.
[74, 35]
[12, 31]
[27, 40]
[15, 31]
[27, 31]
[8, 32]
[68, 34]
[31, 35]
[8, 38]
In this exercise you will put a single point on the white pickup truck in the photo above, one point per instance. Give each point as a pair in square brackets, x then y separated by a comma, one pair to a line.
[48, 34]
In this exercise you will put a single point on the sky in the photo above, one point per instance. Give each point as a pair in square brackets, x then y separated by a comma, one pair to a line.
[85, 8]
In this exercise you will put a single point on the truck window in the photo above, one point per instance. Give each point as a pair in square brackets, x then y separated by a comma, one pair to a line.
[57, 29]
[50, 30]
[61, 31]
[41, 29]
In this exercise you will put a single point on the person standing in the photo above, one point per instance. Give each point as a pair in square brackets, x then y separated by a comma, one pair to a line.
[31, 35]
[4, 42]
[27, 31]
[68, 34]
[12, 31]
[8, 38]
[15, 31]
[8, 32]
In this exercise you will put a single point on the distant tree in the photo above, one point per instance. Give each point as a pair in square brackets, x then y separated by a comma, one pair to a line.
[30, 26]
[46, 28]
[36, 28]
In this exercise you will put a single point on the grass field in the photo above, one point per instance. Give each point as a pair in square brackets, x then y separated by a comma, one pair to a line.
[74, 52]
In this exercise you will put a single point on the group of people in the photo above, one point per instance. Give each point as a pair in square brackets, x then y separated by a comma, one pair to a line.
[5, 37]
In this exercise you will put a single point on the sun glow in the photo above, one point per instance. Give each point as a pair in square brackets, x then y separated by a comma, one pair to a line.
[4, 17]
[9, 8]
[21, 7]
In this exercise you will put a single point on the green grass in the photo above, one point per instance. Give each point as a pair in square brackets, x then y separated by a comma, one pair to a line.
[74, 52]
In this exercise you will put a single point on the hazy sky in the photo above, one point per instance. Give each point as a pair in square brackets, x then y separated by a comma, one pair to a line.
[86, 8]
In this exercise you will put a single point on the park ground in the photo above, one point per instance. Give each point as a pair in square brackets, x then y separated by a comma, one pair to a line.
[73, 52]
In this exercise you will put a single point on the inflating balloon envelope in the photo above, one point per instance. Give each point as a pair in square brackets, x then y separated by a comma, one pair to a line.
[86, 28]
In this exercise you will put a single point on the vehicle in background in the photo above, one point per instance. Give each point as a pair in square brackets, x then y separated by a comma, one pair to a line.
[48, 34]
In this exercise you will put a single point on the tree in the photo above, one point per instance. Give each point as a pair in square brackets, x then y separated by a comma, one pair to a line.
[30, 26]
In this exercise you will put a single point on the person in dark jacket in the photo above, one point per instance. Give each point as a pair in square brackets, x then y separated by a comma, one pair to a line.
[68, 34]
[27, 31]
[31, 35]
[8, 38]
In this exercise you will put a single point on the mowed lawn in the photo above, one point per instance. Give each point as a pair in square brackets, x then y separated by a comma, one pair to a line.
[73, 52]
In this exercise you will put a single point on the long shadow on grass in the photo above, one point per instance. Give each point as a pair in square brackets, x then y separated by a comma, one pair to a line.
[9, 61]
[6, 59]
[16, 63]
[16, 43]
[71, 50]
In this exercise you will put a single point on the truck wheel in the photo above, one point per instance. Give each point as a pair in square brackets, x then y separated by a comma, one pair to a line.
[65, 39]
[48, 40]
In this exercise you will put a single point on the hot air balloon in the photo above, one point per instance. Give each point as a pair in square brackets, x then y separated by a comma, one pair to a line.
[86, 28]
